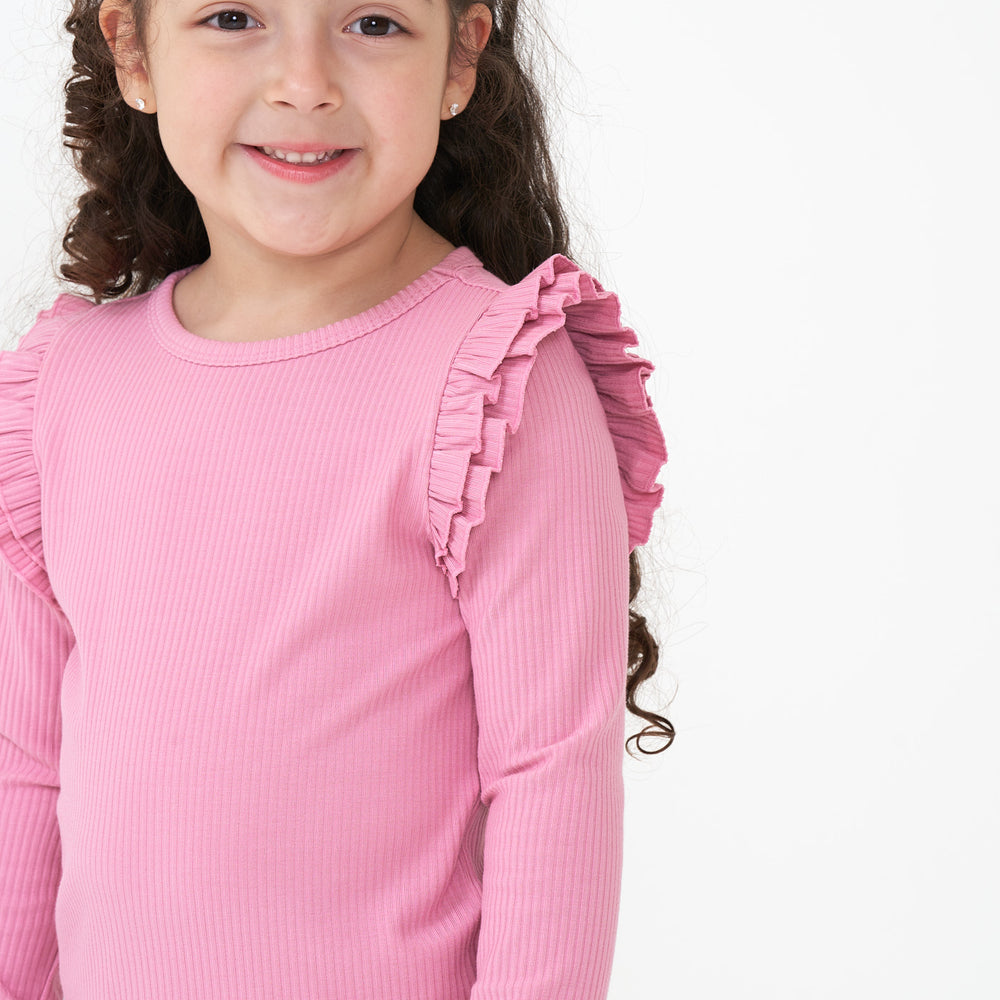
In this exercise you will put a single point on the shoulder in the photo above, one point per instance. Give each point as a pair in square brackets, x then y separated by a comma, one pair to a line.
[72, 319]
[49, 323]
[20, 489]
[23, 370]
[555, 306]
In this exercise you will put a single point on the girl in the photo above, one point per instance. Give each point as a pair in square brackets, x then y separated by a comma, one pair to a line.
[316, 519]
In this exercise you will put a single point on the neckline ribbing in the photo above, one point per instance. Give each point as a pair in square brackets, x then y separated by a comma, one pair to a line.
[182, 343]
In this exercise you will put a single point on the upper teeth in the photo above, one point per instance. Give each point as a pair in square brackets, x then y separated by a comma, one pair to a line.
[293, 157]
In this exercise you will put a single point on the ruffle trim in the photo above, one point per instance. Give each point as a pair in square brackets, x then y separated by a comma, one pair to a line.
[484, 396]
[20, 486]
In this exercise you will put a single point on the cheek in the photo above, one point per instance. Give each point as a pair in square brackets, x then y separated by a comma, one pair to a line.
[199, 89]
[416, 84]
[193, 149]
[195, 119]
[407, 106]
[413, 141]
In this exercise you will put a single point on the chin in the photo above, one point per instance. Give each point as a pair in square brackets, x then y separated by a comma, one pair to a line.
[300, 249]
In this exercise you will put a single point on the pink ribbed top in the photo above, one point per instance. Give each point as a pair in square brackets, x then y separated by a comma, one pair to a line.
[313, 648]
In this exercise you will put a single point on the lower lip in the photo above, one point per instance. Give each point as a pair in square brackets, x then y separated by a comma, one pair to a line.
[301, 173]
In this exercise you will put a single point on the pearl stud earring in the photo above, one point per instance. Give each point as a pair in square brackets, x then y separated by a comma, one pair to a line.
[454, 110]
[140, 104]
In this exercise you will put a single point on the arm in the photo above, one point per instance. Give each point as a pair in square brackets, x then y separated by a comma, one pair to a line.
[35, 641]
[544, 595]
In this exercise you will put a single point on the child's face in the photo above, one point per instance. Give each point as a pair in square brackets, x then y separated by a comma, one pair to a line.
[306, 77]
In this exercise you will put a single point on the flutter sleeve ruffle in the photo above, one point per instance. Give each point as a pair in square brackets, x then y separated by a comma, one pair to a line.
[20, 486]
[484, 395]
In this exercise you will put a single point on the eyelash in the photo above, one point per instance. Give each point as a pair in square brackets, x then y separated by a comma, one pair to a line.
[220, 13]
[399, 29]
[395, 27]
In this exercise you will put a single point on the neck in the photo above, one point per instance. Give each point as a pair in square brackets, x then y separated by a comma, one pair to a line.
[246, 292]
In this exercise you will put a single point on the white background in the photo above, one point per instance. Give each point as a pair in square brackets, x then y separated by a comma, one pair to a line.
[798, 203]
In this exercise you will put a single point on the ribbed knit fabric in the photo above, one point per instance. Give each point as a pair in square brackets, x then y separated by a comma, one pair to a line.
[313, 648]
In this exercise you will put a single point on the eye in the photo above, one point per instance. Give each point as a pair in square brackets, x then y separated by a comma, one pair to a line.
[374, 25]
[232, 20]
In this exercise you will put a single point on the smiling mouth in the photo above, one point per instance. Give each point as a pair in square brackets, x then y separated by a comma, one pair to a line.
[291, 156]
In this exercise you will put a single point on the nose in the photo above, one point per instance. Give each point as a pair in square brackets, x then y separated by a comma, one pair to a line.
[303, 73]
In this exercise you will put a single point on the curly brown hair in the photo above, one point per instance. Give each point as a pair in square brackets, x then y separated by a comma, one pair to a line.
[492, 187]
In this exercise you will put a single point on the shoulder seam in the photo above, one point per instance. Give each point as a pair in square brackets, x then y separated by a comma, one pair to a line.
[465, 275]
[436, 416]
[43, 365]
[65, 323]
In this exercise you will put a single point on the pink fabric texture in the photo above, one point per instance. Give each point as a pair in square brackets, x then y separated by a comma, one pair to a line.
[313, 648]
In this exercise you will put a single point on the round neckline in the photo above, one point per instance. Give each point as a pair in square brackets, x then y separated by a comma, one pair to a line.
[182, 343]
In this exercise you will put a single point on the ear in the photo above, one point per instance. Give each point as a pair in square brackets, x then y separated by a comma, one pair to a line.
[474, 29]
[118, 27]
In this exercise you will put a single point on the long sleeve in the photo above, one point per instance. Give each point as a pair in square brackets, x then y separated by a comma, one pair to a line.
[540, 486]
[545, 595]
[35, 642]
